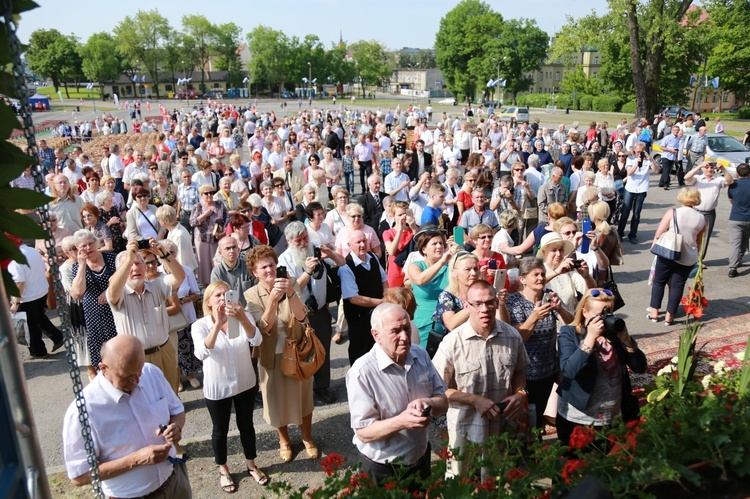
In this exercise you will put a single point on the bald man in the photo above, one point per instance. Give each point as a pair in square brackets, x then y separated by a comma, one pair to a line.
[363, 282]
[136, 420]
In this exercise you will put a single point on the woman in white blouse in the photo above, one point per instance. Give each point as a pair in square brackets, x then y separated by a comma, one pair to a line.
[228, 377]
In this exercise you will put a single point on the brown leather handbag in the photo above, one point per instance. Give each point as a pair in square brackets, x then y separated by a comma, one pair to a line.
[302, 357]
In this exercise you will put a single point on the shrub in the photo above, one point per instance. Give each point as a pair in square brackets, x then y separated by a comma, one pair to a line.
[585, 102]
[744, 113]
[628, 107]
[534, 100]
[563, 101]
[607, 103]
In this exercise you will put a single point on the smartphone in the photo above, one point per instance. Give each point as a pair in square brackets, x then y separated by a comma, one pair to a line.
[492, 264]
[281, 272]
[143, 244]
[585, 228]
[233, 325]
[458, 235]
[546, 298]
[501, 406]
[712, 163]
[499, 282]
[426, 411]
[317, 254]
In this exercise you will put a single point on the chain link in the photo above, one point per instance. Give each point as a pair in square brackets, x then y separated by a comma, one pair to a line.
[43, 212]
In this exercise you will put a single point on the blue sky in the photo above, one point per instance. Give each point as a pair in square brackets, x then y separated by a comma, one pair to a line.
[394, 23]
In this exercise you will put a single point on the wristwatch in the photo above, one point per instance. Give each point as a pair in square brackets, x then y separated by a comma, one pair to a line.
[523, 392]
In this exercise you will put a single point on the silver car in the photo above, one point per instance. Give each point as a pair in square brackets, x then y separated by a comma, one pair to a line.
[724, 149]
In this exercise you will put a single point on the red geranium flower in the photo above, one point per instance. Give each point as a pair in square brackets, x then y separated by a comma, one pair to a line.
[516, 474]
[582, 437]
[571, 466]
[331, 463]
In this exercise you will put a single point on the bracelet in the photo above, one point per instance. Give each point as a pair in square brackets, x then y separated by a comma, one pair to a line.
[308, 273]
[522, 391]
[585, 349]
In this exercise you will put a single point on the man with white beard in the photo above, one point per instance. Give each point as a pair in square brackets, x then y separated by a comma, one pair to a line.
[311, 276]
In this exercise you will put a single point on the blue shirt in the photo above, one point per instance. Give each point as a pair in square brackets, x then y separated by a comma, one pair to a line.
[671, 141]
[430, 215]
[349, 287]
[739, 193]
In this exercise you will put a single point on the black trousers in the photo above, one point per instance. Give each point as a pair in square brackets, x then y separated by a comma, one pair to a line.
[674, 274]
[381, 473]
[360, 336]
[321, 323]
[539, 392]
[220, 411]
[38, 322]
[365, 170]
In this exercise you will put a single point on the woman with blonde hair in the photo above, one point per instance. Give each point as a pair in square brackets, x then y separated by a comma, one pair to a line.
[463, 270]
[463, 199]
[228, 377]
[691, 224]
[209, 220]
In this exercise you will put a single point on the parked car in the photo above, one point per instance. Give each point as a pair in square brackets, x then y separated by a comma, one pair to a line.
[286, 95]
[213, 94]
[450, 101]
[521, 114]
[673, 110]
[724, 149]
[191, 94]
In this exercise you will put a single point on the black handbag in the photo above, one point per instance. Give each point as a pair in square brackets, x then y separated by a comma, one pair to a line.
[612, 286]
[333, 284]
[434, 339]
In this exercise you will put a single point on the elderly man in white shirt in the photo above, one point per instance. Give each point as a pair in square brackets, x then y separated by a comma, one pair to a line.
[397, 182]
[393, 391]
[136, 420]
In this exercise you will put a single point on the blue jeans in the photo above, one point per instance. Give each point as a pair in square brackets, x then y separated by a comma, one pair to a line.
[349, 179]
[632, 201]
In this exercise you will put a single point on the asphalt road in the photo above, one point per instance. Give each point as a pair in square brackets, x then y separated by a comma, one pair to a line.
[50, 388]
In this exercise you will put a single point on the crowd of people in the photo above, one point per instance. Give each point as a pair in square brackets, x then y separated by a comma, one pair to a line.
[488, 243]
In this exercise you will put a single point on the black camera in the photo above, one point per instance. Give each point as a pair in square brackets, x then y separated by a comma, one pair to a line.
[577, 263]
[312, 304]
[613, 325]
[316, 253]
[144, 244]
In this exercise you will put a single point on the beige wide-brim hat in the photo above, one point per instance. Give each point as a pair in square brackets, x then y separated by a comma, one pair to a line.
[554, 238]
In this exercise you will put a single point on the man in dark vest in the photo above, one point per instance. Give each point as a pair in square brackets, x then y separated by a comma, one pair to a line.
[363, 282]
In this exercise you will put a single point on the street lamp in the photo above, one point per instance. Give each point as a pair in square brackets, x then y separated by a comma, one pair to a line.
[309, 80]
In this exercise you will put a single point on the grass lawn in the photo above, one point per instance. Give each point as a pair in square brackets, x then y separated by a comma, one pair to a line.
[82, 93]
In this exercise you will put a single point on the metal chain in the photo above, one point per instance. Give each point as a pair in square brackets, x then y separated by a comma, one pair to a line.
[43, 212]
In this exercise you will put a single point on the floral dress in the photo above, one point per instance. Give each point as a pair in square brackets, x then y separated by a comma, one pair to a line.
[118, 242]
[447, 302]
[168, 198]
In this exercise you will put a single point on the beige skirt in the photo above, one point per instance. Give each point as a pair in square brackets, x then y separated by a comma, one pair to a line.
[285, 400]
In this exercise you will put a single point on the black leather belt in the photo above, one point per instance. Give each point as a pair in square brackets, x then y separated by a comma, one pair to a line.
[151, 350]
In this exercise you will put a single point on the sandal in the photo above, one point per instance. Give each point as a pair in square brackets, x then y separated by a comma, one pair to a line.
[285, 451]
[311, 448]
[229, 488]
[258, 475]
[652, 319]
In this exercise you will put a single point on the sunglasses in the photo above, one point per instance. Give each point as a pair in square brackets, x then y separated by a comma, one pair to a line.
[245, 211]
[153, 169]
[209, 193]
[596, 292]
[622, 156]
[459, 256]
[140, 196]
[355, 216]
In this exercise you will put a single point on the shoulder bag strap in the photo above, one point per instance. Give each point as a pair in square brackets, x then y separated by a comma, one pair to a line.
[147, 220]
[674, 219]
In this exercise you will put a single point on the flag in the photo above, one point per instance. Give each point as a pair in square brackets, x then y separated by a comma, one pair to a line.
[706, 83]
[304, 80]
[89, 86]
[693, 79]
[143, 78]
[314, 80]
[135, 78]
[59, 94]
[490, 83]
[503, 82]
[246, 80]
[715, 82]
[180, 81]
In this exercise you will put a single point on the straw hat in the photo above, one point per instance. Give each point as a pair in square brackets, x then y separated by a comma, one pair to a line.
[554, 238]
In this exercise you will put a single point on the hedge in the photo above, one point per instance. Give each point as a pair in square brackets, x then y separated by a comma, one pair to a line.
[628, 107]
[564, 101]
[533, 100]
[585, 102]
[607, 103]
[744, 113]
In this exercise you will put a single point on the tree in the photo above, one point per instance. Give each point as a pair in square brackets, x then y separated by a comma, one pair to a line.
[141, 39]
[54, 55]
[649, 49]
[404, 59]
[521, 48]
[100, 61]
[464, 35]
[228, 39]
[175, 54]
[371, 64]
[201, 36]
[730, 59]
[341, 67]
[426, 59]
[576, 81]
[270, 52]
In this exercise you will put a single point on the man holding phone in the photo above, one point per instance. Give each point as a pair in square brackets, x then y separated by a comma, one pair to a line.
[481, 404]
[710, 186]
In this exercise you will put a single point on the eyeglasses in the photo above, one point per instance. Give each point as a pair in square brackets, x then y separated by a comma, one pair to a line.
[459, 256]
[209, 193]
[622, 155]
[153, 169]
[597, 292]
[486, 236]
[151, 263]
[245, 211]
[140, 196]
[568, 233]
[490, 304]
[517, 169]
[355, 216]
[288, 162]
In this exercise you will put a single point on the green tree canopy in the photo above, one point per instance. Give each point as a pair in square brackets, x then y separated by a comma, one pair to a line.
[228, 40]
[201, 35]
[730, 58]
[54, 55]
[371, 63]
[100, 60]
[463, 37]
[141, 39]
[270, 50]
